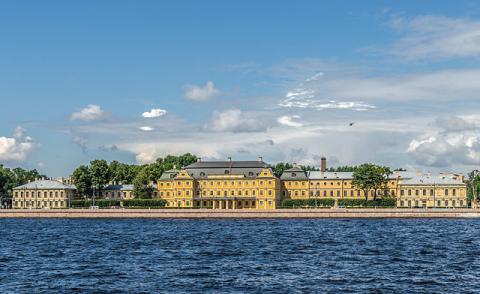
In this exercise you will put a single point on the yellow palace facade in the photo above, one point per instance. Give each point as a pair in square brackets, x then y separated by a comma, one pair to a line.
[253, 185]
[221, 185]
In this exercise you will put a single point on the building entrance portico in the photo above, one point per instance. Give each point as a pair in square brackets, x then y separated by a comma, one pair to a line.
[230, 203]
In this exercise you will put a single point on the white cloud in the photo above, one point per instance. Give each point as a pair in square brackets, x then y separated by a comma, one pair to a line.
[287, 120]
[448, 145]
[427, 37]
[17, 147]
[154, 113]
[146, 128]
[199, 93]
[234, 120]
[89, 113]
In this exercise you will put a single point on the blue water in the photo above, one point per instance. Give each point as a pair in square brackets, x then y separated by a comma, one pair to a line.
[238, 256]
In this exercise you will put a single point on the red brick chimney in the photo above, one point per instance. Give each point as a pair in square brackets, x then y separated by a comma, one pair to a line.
[324, 164]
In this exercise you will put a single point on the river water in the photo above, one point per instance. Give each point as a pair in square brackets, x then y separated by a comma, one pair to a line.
[239, 256]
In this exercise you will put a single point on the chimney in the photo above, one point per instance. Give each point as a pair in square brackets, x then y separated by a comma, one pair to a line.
[324, 165]
[199, 159]
[260, 158]
[229, 159]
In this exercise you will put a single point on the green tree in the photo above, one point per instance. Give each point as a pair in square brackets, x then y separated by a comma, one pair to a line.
[100, 174]
[370, 177]
[141, 184]
[280, 167]
[82, 178]
[473, 186]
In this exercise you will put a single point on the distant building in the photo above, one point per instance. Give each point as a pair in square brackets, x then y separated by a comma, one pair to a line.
[43, 194]
[118, 192]
[221, 185]
[430, 191]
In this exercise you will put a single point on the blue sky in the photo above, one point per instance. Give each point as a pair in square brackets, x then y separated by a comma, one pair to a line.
[136, 80]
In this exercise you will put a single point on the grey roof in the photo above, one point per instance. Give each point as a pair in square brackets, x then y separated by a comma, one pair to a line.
[294, 173]
[169, 174]
[119, 188]
[227, 164]
[318, 175]
[46, 184]
[199, 173]
[431, 180]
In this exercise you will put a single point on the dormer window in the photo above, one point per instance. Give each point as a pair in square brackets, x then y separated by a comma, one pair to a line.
[202, 174]
[294, 175]
[250, 174]
[227, 172]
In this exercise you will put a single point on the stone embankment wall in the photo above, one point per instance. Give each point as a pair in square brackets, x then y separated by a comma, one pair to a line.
[279, 213]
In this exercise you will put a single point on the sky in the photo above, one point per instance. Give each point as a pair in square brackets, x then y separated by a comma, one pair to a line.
[395, 83]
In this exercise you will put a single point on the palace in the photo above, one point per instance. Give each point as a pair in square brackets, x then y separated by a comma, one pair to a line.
[43, 194]
[252, 185]
[221, 185]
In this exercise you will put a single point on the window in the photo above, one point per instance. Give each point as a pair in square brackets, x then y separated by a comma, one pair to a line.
[431, 192]
[338, 193]
[179, 203]
[232, 193]
[402, 203]
[446, 203]
[188, 203]
[409, 192]
[331, 193]
[324, 193]
[261, 192]
[424, 192]
[187, 193]
[179, 193]
[446, 192]
[211, 192]
[454, 192]
[303, 193]
[416, 203]
[453, 203]
[416, 193]
[409, 203]
[461, 203]
[270, 192]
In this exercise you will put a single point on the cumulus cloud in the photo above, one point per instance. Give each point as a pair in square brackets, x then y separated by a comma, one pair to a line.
[154, 113]
[427, 37]
[17, 147]
[288, 120]
[199, 93]
[456, 141]
[89, 113]
[234, 120]
[146, 128]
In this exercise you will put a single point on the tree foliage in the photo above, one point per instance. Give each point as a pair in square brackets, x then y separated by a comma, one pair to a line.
[11, 178]
[371, 177]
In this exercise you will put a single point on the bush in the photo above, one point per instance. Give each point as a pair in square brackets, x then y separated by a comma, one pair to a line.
[387, 202]
[289, 203]
[131, 203]
[144, 203]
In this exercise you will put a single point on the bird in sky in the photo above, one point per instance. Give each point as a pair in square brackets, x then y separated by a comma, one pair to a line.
[351, 124]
